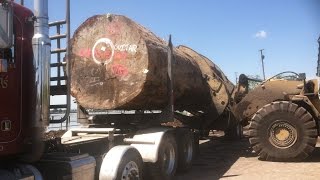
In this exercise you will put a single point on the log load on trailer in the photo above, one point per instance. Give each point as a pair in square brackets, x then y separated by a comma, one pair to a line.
[115, 64]
[283, 112]
[118, 64]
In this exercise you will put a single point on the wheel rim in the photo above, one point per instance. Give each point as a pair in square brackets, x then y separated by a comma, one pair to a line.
[188, 151]
[169, 159]
[282, 134]
[130, 171]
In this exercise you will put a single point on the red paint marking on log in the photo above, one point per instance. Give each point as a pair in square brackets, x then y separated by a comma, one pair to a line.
[120, 55]
[102, 55]
[86, 53]
[119, 70]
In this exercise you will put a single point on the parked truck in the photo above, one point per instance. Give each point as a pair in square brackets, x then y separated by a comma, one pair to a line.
[166, 95]
[282, 113]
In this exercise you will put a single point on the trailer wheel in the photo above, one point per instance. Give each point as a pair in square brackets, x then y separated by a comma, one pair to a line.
[185, 150]
[166, 165]
[196, 146]
[122, 163]
[234, 133]
[283, 131]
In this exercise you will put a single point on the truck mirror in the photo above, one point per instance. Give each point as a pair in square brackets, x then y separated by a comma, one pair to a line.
[6, 24]
[302, 76]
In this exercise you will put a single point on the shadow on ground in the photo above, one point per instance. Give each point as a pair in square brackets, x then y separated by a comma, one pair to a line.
[216, 157]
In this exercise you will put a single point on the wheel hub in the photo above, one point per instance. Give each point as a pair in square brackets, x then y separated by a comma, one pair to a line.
[130, 171]
[282, 134]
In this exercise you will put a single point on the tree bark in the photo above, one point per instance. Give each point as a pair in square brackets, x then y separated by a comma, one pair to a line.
[118, 64]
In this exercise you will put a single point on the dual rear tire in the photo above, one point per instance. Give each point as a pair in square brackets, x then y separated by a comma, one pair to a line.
[173, 155]
[176, 152]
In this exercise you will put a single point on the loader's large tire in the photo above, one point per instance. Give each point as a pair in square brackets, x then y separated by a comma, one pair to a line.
[283, 131]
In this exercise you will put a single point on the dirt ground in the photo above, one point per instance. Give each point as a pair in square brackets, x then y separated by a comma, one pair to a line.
[221, 159]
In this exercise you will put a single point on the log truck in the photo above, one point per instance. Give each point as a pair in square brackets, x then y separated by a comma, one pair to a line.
[133, 145]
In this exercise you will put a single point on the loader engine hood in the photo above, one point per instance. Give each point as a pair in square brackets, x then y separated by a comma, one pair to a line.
[273, 89]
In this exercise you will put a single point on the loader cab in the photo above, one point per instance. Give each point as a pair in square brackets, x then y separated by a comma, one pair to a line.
[244, 86]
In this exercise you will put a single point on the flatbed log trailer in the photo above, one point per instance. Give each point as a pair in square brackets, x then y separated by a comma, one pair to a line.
[106, 146]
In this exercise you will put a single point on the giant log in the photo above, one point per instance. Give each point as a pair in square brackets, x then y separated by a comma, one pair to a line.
[118, 64]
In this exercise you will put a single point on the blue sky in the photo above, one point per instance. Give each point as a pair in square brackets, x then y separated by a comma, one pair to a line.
[229, 32]
[224, 31]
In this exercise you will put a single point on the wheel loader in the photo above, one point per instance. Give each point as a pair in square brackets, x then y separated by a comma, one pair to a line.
[282, 113]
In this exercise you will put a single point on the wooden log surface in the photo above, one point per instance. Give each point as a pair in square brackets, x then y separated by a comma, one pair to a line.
[118, 64]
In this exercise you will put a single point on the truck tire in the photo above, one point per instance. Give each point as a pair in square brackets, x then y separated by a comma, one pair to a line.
[166, 165]
[122, 162]
[234, 133]
[204, 133]
[196, 140]
[283, 131]
[186, 149]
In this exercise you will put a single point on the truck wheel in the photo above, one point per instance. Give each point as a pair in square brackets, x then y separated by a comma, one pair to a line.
[283, 131]
[122, 163]
[234, 133]
[166, 165]
[196, 144]
[185, 150]
[204, 134]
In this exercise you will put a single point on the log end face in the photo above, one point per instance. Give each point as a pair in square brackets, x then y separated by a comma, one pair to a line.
[109, 62]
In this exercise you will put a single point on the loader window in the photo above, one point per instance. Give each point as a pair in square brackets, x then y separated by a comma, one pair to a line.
[253, 84]
[250, 82]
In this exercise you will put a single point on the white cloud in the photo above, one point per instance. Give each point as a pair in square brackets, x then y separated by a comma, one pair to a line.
[261, 34]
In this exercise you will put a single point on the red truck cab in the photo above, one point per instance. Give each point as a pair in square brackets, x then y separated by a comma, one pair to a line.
[16, 85]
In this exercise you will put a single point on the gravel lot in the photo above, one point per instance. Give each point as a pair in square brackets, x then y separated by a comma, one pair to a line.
[221, 159]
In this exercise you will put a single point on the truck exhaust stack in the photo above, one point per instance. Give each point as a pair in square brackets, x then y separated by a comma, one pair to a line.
[41, 49]
[41, 87]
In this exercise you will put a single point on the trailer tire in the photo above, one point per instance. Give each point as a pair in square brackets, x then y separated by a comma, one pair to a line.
[234, 133]
[166, 165]
[185, 150]
[283, 131]
[204, 133]
[122, 162]
[196, 140]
